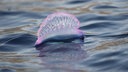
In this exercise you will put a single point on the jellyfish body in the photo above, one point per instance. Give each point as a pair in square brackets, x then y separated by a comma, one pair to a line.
[58, 24]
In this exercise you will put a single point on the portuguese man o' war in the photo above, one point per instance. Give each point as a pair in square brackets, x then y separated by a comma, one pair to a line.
[60, 39]
[59, 25]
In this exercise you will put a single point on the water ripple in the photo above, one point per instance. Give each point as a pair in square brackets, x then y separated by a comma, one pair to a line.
[16, 42]
[78, 1]
[105, 7]
[104, 22]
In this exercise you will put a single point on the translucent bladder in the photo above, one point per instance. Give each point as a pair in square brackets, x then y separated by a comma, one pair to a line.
[56, 24]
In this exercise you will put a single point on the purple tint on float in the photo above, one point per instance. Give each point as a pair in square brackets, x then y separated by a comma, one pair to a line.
[58, 23]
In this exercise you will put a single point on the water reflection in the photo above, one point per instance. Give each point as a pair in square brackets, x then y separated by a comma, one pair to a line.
[63, 57]
[67, 51]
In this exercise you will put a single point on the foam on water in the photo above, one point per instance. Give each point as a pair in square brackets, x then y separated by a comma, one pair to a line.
[58, 23]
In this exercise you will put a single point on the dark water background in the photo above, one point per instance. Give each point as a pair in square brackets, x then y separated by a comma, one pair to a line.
[105, 23]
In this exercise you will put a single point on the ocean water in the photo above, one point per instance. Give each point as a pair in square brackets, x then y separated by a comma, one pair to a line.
[104, 23]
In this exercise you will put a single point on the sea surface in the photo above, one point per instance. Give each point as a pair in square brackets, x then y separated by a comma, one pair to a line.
[104, 23]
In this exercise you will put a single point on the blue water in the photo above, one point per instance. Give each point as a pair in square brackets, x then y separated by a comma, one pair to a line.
[104, 23]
